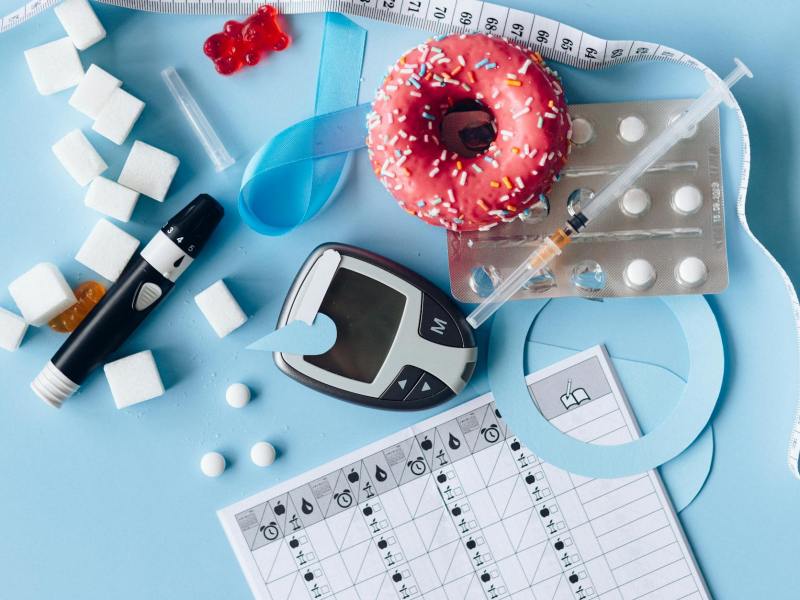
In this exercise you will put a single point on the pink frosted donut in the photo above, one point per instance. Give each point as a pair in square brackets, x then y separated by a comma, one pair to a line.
[450, 82]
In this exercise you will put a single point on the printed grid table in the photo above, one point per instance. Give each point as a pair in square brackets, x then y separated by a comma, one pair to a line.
[458, 508]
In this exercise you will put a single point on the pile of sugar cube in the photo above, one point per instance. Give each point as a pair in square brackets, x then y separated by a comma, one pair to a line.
[55, 67]
[42, 292]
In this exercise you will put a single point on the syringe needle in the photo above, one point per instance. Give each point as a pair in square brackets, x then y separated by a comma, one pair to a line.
[551, 247]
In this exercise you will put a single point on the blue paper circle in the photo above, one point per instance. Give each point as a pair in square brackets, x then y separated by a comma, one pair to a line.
[671, 437]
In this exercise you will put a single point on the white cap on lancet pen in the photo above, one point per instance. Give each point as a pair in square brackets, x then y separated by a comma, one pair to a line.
[209, 139]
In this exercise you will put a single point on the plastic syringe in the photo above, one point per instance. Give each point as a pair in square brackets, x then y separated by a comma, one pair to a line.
[551, 247]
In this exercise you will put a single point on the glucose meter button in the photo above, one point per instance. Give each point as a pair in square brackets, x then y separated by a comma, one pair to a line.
[426, 387]
[437, 325]
[687, 200]
[403, 384]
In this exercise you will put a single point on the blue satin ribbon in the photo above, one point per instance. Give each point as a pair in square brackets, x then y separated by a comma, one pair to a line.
[290, 178]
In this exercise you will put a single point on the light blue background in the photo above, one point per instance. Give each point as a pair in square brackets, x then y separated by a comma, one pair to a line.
[96, 503]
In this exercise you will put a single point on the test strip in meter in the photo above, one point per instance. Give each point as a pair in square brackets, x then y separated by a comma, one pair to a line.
[556, 41]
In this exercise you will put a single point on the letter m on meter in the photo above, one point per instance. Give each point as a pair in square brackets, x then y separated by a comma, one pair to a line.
[439, 326]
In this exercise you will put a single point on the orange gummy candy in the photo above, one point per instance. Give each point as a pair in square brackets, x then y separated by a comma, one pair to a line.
[88, 294]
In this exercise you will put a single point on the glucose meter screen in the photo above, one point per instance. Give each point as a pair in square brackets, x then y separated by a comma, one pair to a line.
[367, 314]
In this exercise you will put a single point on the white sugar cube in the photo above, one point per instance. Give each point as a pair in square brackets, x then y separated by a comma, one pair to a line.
[79, 157]
[220, 308]
[111, 199]
[54, 66]
[149, 170]
[94, 91]
[81, 24]
[118, 115]
[41, 293]
[134, 379]
[107, 250]
[12, 330]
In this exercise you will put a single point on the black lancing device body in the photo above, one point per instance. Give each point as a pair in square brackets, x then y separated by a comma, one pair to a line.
[141, 287]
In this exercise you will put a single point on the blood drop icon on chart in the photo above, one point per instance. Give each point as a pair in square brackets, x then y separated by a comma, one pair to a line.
[306, 507]
[453, 442]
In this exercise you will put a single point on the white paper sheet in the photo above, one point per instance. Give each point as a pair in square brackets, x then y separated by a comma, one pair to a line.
[455, 508]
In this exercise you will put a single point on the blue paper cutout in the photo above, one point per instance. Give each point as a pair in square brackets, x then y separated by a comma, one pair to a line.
[652, 391]
[685, 475]
[298, 337]
[671, 437]
[291, 177]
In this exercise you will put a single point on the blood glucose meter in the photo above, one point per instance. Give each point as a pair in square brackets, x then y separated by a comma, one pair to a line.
[400, 342]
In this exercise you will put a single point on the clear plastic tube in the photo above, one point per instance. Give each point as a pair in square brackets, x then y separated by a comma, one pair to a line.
[547, 251]
[209, 139]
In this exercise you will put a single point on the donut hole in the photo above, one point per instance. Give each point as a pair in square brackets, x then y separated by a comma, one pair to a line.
[468, 128]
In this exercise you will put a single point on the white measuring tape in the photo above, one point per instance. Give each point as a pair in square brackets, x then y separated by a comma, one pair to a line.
[554, 40]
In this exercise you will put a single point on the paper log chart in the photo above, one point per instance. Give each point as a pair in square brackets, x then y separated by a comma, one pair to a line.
[455, 508]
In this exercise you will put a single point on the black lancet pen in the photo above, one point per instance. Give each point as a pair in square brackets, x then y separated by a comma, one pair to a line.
[146, 280]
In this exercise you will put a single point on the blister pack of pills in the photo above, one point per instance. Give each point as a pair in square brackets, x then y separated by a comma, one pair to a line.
[666, 237]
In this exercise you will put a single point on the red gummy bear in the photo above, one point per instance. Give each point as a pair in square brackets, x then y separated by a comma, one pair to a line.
[240, 44]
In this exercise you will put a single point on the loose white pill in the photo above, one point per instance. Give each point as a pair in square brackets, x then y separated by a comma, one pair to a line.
[262, 454]
[237, 395]
[635, 202]
[639, 274]
[687, 200]
[632, 128]
[691, 272]
[582, 131]
[212, 464]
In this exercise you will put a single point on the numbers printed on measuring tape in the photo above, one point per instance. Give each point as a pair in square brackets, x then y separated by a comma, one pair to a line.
[545, 31]
[492, 19]
[644, 49]
[618, 49]
[468, 13]
[569, 39]
[518, 26]
[592, 48]
[415, 8]
[442, 11]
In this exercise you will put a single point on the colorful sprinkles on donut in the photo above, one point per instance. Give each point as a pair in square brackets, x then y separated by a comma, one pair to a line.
[468, 131]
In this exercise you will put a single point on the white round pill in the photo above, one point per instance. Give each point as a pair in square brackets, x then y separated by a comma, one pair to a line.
[639, 274]
[635, 202]
[691, 272]
[687, 200]
[632, 128]
[212, 464]
[582, 131]
[262, 454]
[237, 395]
